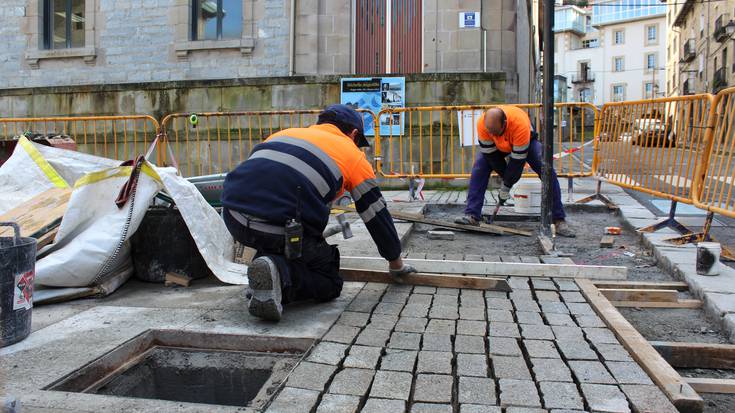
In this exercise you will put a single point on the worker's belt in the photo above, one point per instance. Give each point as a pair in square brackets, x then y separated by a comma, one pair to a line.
[256, 223]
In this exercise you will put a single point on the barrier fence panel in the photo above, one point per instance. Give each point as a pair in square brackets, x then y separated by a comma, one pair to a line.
[438, 141]
[715, 184]
[653, 146]
[116, 137]
[216, 142]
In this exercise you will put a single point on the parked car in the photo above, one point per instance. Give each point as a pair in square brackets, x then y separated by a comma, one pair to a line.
[653, 132]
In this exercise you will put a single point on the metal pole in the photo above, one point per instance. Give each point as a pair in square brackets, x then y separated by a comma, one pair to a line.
[548, 119]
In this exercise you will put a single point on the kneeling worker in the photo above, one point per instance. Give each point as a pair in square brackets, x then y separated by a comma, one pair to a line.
[505, 132]
[278, 202]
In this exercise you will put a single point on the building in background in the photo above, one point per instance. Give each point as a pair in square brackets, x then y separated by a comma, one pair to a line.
[62, 43]
[701, 47]
[612, 50]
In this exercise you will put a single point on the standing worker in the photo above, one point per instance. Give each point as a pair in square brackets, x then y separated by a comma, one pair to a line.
[505, 132]
[278, 202]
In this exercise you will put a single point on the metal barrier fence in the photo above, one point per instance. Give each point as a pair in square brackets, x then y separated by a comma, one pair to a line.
[653, 146]
[216, 142]
[438, 141]
[117, 137]
[715, 181]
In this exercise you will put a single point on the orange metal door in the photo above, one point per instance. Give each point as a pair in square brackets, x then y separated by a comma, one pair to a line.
[373, 36]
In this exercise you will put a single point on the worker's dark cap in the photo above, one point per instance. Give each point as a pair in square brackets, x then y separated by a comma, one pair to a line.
[346, 119]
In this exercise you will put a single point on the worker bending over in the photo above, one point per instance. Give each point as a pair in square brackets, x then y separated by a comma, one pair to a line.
[278, 202]
[505, 132]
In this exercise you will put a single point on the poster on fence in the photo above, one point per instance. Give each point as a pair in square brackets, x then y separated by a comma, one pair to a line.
[376, 94]
[467, 121]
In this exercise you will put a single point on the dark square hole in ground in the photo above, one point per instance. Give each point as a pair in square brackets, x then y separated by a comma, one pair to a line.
[191, 367]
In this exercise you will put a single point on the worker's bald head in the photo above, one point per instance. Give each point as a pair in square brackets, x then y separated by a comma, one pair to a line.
[495, 121]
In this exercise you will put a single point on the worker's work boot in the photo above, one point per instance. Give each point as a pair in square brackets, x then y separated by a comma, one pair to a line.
[467, 220]
[563, 229]
[265, 289]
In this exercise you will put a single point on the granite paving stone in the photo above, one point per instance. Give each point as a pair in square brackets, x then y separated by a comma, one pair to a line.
[363, 357]
[454, 292]
[433, 388]
[447, 312]
[469, 344]
[495, 294]
[437, 362]
[311, 376]
[471, 365]
[590, 372]
[541, 349]
[521, 295]
[338, 403]
[471, 328]
[328, 353]
[419, 299]
[626, 372]
[518, 393]
[431, 408]
[504, 316]
[293, 400]
[388, 308]
[536, 332]
[476, 390]
[648, 399]
[543, 284]
[556, 319]
[499, 303]
[589, 321]
[576, 350]
[554, 307]
[496, 329]
[391, 385]
[406, 341]
[354, 319]
[600, 335]
[399, 288]
[478, 408]
[605, 398]
[528, 317]
[580, 309]
[567, 333]
[395, 297]
[504, 346]
[383, 406]
[355, 382]
[437, 326]
[415, 310]
[519, 283]
[375, 337]
[447, 300]
[362, 306]
[572, 297]
[471, 313]
[398, 360]
[613, 352]
[374, 286]
[341, 334]
[566, 284]
[547, 296]
[550, 370]
[561, 395]
[436, 342]
[411, 324]
[516, 409]
[508, 367]
[383, 321]
[526, 305]
[421, 289]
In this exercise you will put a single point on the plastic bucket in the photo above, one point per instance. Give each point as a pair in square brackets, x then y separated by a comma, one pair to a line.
[708, 258]
[17, 271]
[527, 199]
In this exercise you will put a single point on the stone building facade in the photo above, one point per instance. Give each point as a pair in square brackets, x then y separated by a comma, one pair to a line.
[107, 43]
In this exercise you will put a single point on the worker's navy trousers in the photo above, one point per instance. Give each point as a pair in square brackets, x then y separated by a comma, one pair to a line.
[313, 276]
[485, 164]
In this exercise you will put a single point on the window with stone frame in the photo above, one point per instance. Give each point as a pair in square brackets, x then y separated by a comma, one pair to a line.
[216, 19]
[63, 24]
[214, 25]
[60, 29]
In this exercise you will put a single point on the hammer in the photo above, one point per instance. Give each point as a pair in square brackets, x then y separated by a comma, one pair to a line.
[342, 225]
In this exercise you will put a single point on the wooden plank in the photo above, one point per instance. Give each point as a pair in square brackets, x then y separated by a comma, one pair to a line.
[685, 303]
[697, 355]
[681, 394]
[607, 241]
[46, 238]
[38, 216]
[639, 294]
[432, 280]
[547, 245]
[484, 228]
[495, 268]
[650, 285]
[710, 385]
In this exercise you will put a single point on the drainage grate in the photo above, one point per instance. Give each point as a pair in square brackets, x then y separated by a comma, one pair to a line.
[191, 367]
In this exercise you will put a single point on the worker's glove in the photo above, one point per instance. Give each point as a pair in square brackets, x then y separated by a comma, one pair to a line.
[404, 270]
[504, 193]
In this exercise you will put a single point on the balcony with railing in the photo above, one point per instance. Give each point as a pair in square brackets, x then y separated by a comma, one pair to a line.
[583, 77]
[724, 27]
[719, 81]
[690, 50]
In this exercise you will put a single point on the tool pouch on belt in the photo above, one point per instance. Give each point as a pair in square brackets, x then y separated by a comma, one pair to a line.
[294, 234]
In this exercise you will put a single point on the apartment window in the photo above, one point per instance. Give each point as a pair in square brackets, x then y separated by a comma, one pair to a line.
[650, 62]
[652, 34]
[701, 25]
[585, 95]
[701, 64]
[618, 37]
[618, 64]
[590, 43]
[618, 93]
[216, 19]
[648, 90]
[63, 24]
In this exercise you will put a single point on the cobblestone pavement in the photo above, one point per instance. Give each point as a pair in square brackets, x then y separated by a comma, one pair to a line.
[423, 349]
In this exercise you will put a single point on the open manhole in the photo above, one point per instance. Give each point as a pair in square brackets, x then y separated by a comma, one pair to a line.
[193, 367]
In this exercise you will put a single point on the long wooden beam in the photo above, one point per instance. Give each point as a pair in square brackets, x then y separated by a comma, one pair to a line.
[681, 394]
[710, 385]
[431, 280]
[640, 294]
[521, 269]
[484, 228]
[683, 303]
[651, 285]
[697, 355]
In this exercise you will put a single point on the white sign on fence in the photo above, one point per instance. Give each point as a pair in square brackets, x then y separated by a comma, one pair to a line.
[467, 121]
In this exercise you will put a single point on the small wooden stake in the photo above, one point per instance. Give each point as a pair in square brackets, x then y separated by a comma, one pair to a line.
[173, 278]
